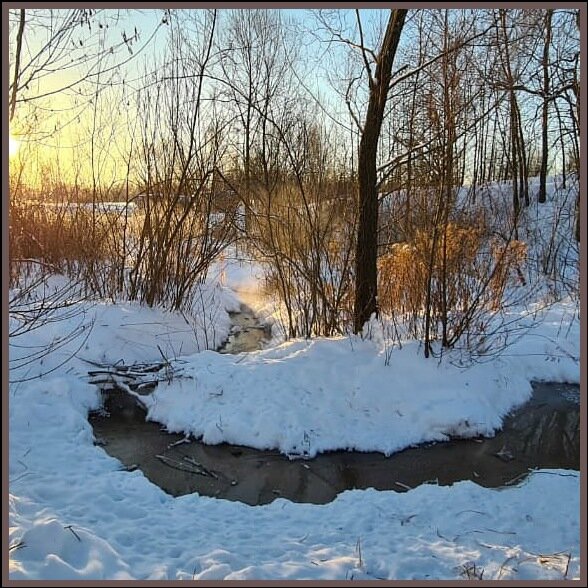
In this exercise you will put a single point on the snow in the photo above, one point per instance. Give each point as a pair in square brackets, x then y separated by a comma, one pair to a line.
[305, 397]
[63, 488]
[75, 514]
[78, 516]
[125, 331]
[246, 278]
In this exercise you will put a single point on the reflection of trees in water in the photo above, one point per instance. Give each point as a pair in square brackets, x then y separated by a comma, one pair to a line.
[548, 434]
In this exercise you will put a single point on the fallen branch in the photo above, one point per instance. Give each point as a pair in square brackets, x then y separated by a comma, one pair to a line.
[205, 471]
[405, 486]
[182, 466]
[142, 377]
[516, 479]
[74, 533]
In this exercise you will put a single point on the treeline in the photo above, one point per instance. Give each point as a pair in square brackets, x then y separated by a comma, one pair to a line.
[367, 191]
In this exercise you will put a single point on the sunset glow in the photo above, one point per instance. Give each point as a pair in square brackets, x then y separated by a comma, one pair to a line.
[13, 146]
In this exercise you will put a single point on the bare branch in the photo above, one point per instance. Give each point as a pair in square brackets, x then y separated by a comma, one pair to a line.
[19, 35]
[363, 50]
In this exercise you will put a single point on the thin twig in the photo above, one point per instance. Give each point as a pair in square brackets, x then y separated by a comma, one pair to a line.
[72, 530]
[405, 486]
[17, 545]
[184, 467]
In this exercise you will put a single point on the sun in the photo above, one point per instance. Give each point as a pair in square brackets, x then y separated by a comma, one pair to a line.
[13, 146]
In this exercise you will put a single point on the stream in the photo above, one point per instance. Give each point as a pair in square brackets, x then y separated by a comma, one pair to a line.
[247, 333]
[543, 433]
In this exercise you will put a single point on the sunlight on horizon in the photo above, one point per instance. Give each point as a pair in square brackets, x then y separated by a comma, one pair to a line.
[13, 146]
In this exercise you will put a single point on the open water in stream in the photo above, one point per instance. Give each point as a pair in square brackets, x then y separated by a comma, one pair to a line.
[543, 433]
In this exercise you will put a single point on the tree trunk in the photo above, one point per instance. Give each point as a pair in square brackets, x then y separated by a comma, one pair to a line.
[19, 35]
[545, 110]
[577, 227]
[366, 276]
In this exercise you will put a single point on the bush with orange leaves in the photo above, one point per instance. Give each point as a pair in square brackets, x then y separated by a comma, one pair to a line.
[508, 258]
[401, 280]
[467, 270]
[403, 271]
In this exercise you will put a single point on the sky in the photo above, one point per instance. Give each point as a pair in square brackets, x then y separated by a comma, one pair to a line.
[61, 126]
[62, 123]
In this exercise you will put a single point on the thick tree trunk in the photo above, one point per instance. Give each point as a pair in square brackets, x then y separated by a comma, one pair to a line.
[367, 242]
[366, 276]
[577, 225]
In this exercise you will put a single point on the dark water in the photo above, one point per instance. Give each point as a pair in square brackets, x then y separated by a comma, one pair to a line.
[544, 433]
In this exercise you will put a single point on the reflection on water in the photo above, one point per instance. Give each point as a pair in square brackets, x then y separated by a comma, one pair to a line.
[544, 433]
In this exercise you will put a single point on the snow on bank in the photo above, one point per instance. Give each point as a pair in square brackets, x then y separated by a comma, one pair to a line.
[305, 397]
[431, 532]
[75, 515]
[125, 332]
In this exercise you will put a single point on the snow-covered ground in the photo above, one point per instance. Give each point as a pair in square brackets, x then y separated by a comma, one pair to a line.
[74, 514]
[305, 397]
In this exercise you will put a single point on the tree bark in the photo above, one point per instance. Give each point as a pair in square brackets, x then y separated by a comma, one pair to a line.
[366, 276]
[545, 110]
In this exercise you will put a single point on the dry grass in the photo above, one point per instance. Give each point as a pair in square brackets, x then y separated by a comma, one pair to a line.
[403, 270]
[509, 260]
[73, 240]
[155, 252]
[470, 272]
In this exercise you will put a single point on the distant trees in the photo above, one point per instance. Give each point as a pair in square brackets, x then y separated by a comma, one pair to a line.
[256, 64]
[181, 147]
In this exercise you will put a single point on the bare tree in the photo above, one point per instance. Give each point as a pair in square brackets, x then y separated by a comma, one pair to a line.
[545, 108]
[366, 277]
[256, 75]
[183, 229]
[517, 167]
[51, 42]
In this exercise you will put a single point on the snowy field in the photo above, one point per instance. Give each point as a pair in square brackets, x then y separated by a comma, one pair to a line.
[74, 514]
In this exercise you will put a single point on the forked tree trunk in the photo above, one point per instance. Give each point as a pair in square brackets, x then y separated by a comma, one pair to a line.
[366, 276]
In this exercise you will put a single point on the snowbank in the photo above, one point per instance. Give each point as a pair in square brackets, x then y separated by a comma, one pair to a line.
[304, 397]
[75, 515]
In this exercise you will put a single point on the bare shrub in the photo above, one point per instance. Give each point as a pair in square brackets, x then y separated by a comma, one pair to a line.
[472, 276]
[305, 235]
[36, 300]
